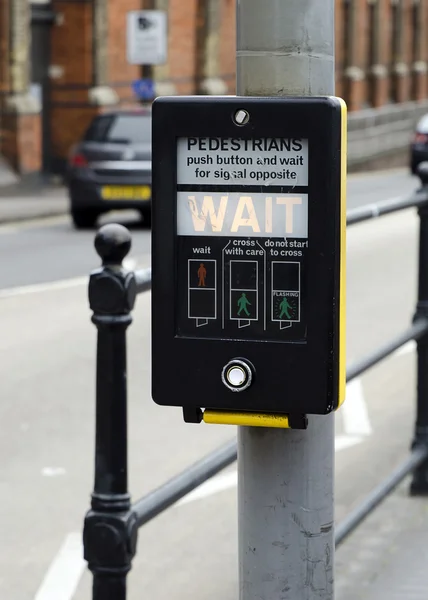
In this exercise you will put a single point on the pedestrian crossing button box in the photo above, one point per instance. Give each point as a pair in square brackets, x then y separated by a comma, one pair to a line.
[248, 249]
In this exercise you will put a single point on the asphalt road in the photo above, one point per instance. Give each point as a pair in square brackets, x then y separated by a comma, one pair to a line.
[47, 352]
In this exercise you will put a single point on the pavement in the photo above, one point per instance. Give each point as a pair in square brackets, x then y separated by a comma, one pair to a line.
[31, 200]
[386, 557]
[47, 370]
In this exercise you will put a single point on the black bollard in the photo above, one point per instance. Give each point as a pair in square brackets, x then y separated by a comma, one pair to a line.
[110, 529]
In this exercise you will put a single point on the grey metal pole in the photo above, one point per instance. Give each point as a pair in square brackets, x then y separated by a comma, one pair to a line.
[286, 477]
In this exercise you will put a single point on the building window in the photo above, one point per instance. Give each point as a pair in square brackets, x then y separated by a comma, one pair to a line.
[419, 66]
[349, 32]
[396, 48]
[372, 50]
[373, 33]
[416, 29]
[201, 36]
[348, 45]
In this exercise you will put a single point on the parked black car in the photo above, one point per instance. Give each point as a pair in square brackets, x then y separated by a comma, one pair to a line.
[419, 144]
[110, 168]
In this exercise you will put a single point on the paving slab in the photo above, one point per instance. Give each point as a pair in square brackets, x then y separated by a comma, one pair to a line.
[386, 558]
[24, 202]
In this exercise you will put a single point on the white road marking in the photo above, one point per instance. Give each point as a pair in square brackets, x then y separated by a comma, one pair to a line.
[17, 226]
[341, 442]
[129, 263]
[219, 483]
[62, 284]
[63, 576]
[406, 349]
[53, 471]
[354, 411]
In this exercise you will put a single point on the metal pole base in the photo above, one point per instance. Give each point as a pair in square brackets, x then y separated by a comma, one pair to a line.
[419, 484]
[109, 587]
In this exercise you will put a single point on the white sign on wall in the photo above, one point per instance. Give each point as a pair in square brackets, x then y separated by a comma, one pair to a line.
[147, 37]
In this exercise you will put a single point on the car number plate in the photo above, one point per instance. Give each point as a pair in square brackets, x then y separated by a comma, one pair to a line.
[129, 192]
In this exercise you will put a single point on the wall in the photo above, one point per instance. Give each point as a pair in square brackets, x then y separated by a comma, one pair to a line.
[381, 51]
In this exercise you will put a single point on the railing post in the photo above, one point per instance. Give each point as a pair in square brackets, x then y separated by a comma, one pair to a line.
[419, 485]
[110, 530]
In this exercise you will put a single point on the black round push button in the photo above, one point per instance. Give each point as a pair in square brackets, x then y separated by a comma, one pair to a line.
[237, 375]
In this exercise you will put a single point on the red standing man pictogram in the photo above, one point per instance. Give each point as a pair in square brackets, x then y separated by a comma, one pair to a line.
[202, 273]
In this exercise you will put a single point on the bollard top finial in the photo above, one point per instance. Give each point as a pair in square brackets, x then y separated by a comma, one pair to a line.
[112, 243]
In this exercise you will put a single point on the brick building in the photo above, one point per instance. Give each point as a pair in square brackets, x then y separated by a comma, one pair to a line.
[63, 61]
[381, 51]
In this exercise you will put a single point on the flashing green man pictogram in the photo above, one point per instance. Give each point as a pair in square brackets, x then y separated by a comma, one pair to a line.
[284, 307]
[243, 302]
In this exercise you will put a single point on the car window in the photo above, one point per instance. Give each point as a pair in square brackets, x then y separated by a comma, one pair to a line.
[96, 131]
[120, 129]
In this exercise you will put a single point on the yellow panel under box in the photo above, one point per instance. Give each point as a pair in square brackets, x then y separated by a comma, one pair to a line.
[244, 419]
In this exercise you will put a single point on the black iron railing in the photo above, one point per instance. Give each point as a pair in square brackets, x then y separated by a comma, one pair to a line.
[111, 526]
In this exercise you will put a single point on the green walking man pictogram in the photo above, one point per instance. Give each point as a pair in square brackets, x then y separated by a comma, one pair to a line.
[284, 308]
[243, 302]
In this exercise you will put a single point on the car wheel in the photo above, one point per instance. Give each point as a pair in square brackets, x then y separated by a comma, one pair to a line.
[414, 167]
[84, 219]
